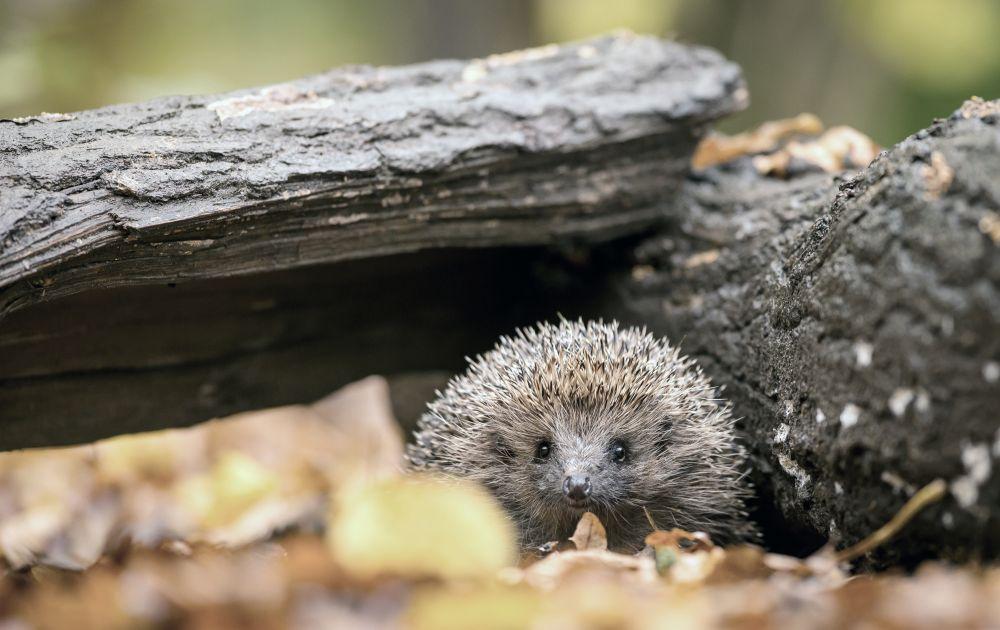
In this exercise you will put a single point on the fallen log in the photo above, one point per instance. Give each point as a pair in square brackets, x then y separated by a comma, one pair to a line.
[574, 142]
[855, 325]
[146, 250]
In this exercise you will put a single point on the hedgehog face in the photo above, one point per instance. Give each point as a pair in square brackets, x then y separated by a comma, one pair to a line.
[575, 471]
[577, 458]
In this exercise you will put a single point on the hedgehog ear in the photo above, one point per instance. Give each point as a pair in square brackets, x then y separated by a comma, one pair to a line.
[502, 448]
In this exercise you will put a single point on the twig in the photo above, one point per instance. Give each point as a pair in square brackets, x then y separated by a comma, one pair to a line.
[649, 517]
[931, 493]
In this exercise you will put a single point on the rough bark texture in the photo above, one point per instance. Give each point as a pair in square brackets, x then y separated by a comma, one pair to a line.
[574, 142]
[855, 327]
[167, 262]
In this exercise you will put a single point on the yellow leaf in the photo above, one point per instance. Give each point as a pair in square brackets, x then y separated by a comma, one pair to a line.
[160, 455]
[420, 527]
[235, 483]
[483, 608]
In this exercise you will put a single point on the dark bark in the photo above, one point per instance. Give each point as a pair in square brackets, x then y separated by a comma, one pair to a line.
[115, 361]
[128, 234]
[854, 324]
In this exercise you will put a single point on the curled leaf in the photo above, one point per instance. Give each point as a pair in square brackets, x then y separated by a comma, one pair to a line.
[590, 533]
[838, 149]
[719, 148]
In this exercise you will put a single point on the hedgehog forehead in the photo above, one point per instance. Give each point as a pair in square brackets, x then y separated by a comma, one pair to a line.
[573, 376]
[580, 380]
[594, 418]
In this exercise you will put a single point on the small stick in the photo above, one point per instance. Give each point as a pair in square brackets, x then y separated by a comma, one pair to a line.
[649, 517]
[931, 493]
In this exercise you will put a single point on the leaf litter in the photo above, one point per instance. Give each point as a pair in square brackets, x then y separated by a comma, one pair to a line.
[783, 148]
[301, 517]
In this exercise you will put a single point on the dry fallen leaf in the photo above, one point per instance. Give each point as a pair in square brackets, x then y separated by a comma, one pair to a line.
[229, 482]
[399, 551]
[670, 546]
[776, 152]
[590, 533]
[719, 148]
[838, 149]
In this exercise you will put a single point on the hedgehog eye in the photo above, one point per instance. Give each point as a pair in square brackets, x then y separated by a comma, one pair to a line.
[543, 449]
[618, 452]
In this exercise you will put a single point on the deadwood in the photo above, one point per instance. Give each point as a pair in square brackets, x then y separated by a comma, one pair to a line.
[578, 142]
[855, 324]
[166, 262]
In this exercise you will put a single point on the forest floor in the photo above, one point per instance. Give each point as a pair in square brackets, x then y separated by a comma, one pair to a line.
[300, 517]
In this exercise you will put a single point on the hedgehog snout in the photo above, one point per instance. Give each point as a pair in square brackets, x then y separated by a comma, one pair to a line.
[576, 487]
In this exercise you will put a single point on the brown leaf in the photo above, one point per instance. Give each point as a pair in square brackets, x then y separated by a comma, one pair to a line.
[742, 562]
[669, 547]
[719, 148]
[838, 149]
[590, 533]
[597, 564]
[682, 541]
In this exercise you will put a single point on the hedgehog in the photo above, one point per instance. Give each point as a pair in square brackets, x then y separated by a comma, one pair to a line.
[562, 419]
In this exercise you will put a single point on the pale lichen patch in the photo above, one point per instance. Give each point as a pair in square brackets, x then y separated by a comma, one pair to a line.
[900, 400]
[923, 404]
[991, 371]
[948, 520]
[947, 325]
[978, 465]
[849, 416]
[781, 433]
[346, 219]
[863, 351]
[272, 99]
[802, 478]
[478, 69]
[44, 117]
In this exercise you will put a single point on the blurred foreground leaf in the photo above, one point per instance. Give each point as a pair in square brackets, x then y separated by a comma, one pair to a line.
[417, 527]
[228, 482]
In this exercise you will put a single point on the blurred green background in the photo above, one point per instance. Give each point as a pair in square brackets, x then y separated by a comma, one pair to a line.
[886, 67]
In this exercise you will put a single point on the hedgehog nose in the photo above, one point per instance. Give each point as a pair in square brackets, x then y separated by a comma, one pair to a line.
[576, 487]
